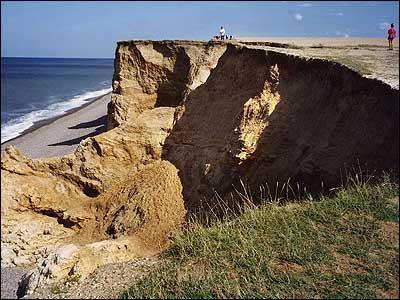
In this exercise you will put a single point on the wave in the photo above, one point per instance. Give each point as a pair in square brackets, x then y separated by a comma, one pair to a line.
[16, 127]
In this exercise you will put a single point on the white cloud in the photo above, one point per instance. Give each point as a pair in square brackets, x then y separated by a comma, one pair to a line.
[339, 14]
[304, 5]
[346, 35]
[384, 25]
[298, 17]
[338, 32]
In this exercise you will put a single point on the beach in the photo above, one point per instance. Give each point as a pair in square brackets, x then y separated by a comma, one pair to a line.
[51, 138]
[61, 135]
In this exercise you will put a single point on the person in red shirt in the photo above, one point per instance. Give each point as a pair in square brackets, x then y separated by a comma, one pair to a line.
[391, 36]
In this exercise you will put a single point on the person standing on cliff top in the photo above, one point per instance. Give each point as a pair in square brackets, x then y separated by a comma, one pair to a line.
[391, 36]
[222, 33]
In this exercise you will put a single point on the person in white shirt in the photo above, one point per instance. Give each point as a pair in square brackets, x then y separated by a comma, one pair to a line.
[222, 33]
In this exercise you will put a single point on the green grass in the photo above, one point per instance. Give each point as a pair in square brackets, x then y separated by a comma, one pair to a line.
[354, 63]
[338, 247]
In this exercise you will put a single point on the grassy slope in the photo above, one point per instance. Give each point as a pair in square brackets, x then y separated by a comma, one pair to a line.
[345, 246]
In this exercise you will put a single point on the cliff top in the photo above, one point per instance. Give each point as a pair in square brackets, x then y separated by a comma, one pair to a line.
[367, 56]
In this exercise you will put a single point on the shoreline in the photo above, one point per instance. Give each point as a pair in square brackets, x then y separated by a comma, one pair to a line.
[39, 124]
[45, 139]
[62, 134]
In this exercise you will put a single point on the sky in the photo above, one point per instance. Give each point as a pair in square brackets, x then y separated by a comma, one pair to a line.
[92, 29]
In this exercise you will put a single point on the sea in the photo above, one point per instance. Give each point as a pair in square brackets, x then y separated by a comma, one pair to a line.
[36, 89]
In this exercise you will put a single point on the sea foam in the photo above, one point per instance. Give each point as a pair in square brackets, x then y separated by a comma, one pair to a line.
[16, 127]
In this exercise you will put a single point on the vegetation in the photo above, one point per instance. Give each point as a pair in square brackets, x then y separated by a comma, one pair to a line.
[352, 62]
[345, 246]
[355, 64]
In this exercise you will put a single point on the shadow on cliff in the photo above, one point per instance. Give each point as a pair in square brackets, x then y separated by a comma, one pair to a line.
[331, 123]
[100, 123]
[171, 92]
[202, 143]
[329, 118]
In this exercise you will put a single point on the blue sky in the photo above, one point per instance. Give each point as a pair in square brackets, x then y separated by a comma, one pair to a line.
[91, 29]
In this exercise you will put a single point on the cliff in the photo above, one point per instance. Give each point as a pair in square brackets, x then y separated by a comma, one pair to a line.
[187, 121]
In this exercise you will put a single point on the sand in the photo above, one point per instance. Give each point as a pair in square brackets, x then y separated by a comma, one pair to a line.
[62, 135]
[51, 138]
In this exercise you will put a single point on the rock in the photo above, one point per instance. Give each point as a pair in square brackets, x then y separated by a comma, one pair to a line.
[21, 261]
[52, 268]
[30, 244]
[155, 74]
[146, 223]
[75, 262]
[187, 120]
[7, 255]
[65, 252]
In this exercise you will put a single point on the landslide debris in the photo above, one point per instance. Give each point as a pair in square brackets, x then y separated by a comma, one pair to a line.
[115, 189]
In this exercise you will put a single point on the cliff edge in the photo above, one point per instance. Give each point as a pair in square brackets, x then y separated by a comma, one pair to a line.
[189, 121]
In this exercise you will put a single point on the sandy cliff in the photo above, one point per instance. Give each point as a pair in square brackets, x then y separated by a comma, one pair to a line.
[188, 119]
[266, 117]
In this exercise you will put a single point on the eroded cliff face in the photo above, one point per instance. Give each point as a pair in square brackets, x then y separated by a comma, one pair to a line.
[157, 74]
[115, 188]
[186, 120]
[268, 117]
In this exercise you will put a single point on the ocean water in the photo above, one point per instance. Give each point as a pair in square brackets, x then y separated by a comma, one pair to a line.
[35, 89]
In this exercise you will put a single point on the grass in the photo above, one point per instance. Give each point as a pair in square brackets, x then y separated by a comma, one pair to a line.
[345, 246]
[353, 63]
